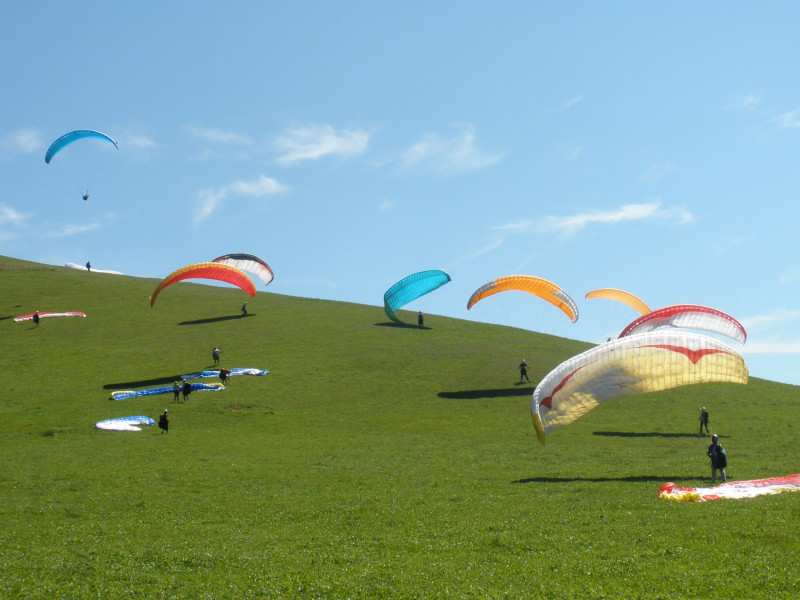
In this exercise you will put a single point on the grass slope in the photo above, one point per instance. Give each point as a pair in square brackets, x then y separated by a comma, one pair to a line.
[374, 461]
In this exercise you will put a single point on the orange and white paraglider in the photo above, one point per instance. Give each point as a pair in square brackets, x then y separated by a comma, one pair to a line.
[620, 296]
[537, 286]
[207, 270]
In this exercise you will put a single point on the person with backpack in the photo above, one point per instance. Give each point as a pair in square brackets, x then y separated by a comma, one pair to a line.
[719, 460]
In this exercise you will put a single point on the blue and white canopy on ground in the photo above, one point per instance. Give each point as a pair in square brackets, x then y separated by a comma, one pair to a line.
[124, 423]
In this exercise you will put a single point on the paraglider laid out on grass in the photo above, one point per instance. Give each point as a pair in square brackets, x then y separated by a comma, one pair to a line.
[196, 387]
[207, 270]
[688, 316]
[240, 371]
[74, 136]
[410, 288]
[44, 315]
[124, 423]
[537, 286]
[635, 364]
[620, 296]
[731, 489]
[250, 263]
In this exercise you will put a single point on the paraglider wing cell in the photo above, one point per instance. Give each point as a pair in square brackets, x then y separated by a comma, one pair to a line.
[74, 136]
[636, 364]
[688, 316]
[209, 270]
[249, 263]
[620, 296]
[410, 288]
[537, 286]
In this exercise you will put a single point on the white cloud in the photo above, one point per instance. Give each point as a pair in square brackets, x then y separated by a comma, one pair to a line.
[776, 318]
[10, 216]
[208, 200]
[572, 101]
[455, 154]
[771, 346]
[141, 142]
[386, 204]
[218, 136]
[656, 172]
[315, 141]
[68, 230]
[751, 101]
[26, 141]
[789, 276]
[570, 150]
[789, 120]
[485, 249]
[572, 224]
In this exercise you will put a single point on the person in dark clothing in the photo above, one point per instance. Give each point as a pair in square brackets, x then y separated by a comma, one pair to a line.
[176, 391]
[523, 370]
[88, 266]
[36, 319]
[420, 319]
[719, 459]
[163, 422]
[703, 419]
[244, 309]
[223, 375]
[187, 389]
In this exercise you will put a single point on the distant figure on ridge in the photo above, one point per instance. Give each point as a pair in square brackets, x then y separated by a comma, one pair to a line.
[244, 309]
[703, 419]
[523, 370]
[215, 355]
[420, 319]
[88, 266]
[719, 460]
[163, 422]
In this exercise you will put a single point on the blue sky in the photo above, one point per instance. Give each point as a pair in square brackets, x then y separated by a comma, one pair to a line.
[647, 146]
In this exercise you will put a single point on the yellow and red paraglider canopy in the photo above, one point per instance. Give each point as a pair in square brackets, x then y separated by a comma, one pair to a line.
[207, 270]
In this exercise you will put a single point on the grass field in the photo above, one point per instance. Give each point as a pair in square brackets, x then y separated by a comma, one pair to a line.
[374, 461]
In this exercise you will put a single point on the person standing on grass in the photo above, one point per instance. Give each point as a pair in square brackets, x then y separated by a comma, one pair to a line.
[420, 319]
[36, 319]
[187, 389]
[703, 419]
[215, 355]
[719, 459]
[176, 391]
[163, 422]
[523, 370]
[244, 309]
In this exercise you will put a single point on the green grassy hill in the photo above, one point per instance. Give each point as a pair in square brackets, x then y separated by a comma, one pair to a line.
[374, 461]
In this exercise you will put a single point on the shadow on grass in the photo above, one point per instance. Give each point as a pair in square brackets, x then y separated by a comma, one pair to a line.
[495, 393]
[215, 319]
[636, 434]
[141, 383]
[631, 478]
[400, 325]
[8, 317]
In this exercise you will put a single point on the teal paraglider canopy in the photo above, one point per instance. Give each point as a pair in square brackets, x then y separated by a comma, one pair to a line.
[410, 288]
[74, 136]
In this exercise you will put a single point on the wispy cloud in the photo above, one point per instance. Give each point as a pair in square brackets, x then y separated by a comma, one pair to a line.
[68, 230]
[9, 216]
[386, 205]
[209, 200]
[455, 154]
[26, 141]
[485, 249]
[771, 346]
[776, 318]
[570, 151]
[789, 276]
[313, 142]
[218, 136]
[655, 172]
[789, 120]
[572, 224]
[571, 102]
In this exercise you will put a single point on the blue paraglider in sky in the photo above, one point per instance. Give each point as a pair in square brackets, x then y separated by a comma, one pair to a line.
[410, 288]
[74, 136]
